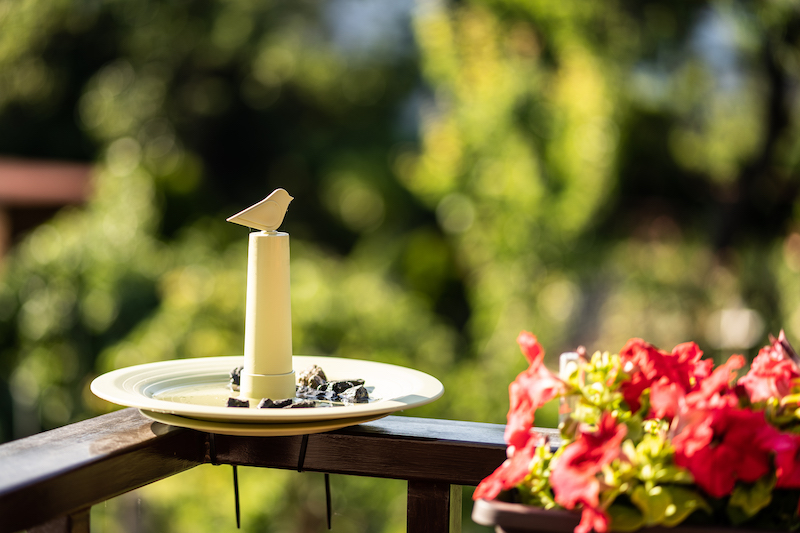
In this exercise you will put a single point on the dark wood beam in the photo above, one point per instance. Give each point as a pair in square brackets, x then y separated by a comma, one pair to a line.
[460, 453]
[62, 472]
[50, 480]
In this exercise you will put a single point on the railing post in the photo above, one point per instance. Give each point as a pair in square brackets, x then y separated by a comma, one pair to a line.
[433, 507]
[74, 523]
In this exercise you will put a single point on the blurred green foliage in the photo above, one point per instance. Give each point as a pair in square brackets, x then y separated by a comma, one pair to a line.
[462, 171]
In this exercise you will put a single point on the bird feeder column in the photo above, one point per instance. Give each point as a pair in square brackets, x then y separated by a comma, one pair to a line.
[267, 371]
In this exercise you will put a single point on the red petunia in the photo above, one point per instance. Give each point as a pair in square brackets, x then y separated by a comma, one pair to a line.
[716, 434]
[718, 383]
[668, 396]
[665, 398]
[531, 390]
[787, 464]
[679, 371]
[530, 347]
[713, 392]
[721, 445]
[509, 474]
[573, 474]
[774, 371]
[592, 519]
[639, 361]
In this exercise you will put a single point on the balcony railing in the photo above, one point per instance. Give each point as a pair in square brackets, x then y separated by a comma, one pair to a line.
[50, 481]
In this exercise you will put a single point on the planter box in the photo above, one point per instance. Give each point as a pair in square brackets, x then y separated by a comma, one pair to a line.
[517, 518]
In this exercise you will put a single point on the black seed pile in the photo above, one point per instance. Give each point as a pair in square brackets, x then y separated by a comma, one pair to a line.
[236, 377]
[266, 403]
[313, 390]
[236, 402]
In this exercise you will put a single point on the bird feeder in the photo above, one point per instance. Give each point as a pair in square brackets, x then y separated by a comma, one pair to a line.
[267, 371]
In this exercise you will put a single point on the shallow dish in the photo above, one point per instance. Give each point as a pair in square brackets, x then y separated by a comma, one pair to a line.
[198, 388]
[275, 429]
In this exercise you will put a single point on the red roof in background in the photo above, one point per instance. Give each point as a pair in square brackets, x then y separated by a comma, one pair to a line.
[43, 183]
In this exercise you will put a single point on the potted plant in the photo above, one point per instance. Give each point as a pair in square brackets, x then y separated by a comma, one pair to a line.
[651, 438]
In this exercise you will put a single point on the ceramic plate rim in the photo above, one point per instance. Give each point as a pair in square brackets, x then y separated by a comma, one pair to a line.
[277, 429]
[123, 387]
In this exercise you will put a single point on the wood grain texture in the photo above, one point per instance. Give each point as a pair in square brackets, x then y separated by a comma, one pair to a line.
[61, 472]
[49, 479]
[460, 453]
[74, 523]
[433, 507]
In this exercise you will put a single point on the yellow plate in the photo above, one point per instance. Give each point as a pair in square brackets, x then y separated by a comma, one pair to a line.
[278, 429]
[198, 389]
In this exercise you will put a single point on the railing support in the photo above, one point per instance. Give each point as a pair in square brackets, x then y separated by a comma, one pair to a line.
[75, 523]
[433, 507]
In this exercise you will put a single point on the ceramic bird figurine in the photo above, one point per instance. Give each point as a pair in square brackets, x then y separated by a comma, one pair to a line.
[267, 214]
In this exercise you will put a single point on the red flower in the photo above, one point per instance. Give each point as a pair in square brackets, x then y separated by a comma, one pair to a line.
[687, 353]
[639, 360]
[592, 520]
[680, 370]
[665, 398]
[774, 371]
[715, 391]
[530, 347]
[573, 475]
[509, 474]
[714, 436]
[690, 363]
[787, 464]
[531, 390]
[721, 445]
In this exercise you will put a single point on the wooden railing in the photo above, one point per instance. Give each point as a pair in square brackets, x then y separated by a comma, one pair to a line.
[48, 482]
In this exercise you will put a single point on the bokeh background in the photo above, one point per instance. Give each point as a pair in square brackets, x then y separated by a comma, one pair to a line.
[588, 171]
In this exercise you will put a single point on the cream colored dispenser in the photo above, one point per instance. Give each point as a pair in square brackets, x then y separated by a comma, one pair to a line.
[267, 369]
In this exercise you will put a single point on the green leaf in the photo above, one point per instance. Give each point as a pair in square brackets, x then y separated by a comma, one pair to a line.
[668, 505]
[685, 501]
[625, 518]
[653, 503]
[634, 426]
[674, 474]
[750, 498]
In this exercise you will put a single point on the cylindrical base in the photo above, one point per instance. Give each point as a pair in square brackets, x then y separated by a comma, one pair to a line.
[268, 309]
[267, 369]
[272, 386]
